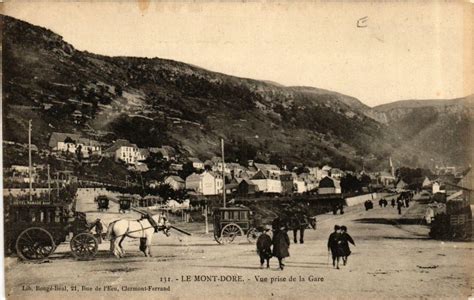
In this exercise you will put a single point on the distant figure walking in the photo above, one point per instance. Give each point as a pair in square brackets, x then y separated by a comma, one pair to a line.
[264, 246]
[345, 240]
[393, 202]
[407, 202]
[281, 245]
[399, 206]
[334, 244]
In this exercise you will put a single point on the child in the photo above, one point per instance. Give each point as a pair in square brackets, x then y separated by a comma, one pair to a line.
[264, 243]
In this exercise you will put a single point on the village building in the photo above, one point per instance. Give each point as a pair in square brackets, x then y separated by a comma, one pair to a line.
[299, 185]
[71, 142]
[268, 169]
[123, 150]
[267, 183]
[247, 187]
[401, 185]
[329, 185]
[319, 173]
[232, 186]
[337, 173]
[20, 173]
[386, 179]
[197, 163]
[175, 168]
[175, 182]
[438, 187]
[167, 152]
[207, 183]
[153, 183]
[310, 181]
[286, 180]
[426, 184]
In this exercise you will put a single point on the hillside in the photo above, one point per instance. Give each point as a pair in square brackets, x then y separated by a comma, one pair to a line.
[153, 101]
[442, 127]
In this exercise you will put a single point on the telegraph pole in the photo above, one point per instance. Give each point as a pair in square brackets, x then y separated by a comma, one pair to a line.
[223, 171]
[29, 162]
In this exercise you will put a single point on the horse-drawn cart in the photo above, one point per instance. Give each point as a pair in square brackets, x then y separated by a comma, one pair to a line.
[102, 203]
[125, 203]
[34, 231]
[232, 222]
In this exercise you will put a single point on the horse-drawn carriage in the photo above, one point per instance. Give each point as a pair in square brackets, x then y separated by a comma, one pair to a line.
[34, 230]
[102, 203]
[125, 203]
[232, 222]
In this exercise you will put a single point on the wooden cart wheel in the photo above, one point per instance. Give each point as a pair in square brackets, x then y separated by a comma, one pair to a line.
[252, 235]
[230, 232]
[34, 243]
[84, 246]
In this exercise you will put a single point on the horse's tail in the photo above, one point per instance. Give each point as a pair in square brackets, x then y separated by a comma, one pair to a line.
[110, 231]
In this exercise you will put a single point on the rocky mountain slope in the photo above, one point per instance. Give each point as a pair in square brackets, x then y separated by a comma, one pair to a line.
[442, 127]
[153, 101]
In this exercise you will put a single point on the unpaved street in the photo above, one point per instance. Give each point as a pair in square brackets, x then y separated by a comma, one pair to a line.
[393, 259]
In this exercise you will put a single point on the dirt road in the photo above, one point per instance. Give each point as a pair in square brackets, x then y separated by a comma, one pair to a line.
[393, 259]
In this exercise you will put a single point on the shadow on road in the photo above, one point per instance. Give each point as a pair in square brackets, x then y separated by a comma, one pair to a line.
[387, 221]
[405, 238]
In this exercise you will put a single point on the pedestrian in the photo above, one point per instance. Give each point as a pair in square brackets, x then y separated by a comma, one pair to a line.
[393, 202]
[334, 245]
[345, 240]
[281, 245]
[264, 246]
[399, 206]
[407, 202]
[99, 229]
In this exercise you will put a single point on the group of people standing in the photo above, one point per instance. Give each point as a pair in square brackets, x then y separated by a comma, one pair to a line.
[338, 244]
[401, 202]
[280, 242]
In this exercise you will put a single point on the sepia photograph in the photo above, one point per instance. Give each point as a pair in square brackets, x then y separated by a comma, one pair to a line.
[237, 149]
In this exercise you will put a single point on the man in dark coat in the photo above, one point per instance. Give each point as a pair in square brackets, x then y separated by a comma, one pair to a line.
[334, 244]
[345, 240]
[399, 206]
[264, 244]
[281, 245]
[99, 229]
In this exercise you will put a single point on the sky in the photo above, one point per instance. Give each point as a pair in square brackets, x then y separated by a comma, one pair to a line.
[378, 52]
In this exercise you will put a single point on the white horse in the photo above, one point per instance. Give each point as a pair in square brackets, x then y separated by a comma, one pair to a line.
[137, 229]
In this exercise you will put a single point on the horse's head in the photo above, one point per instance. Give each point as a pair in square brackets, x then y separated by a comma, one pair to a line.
[162, 222]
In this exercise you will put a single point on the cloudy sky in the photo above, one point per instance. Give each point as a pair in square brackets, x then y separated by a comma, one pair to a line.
[373, 51]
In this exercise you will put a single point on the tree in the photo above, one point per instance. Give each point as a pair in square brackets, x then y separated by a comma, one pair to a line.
[365, 180]
[350, 183]
[188, 169]
[166, 191]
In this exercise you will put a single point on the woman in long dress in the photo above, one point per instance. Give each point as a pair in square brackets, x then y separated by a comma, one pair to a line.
[281, 245]
[345, 240]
